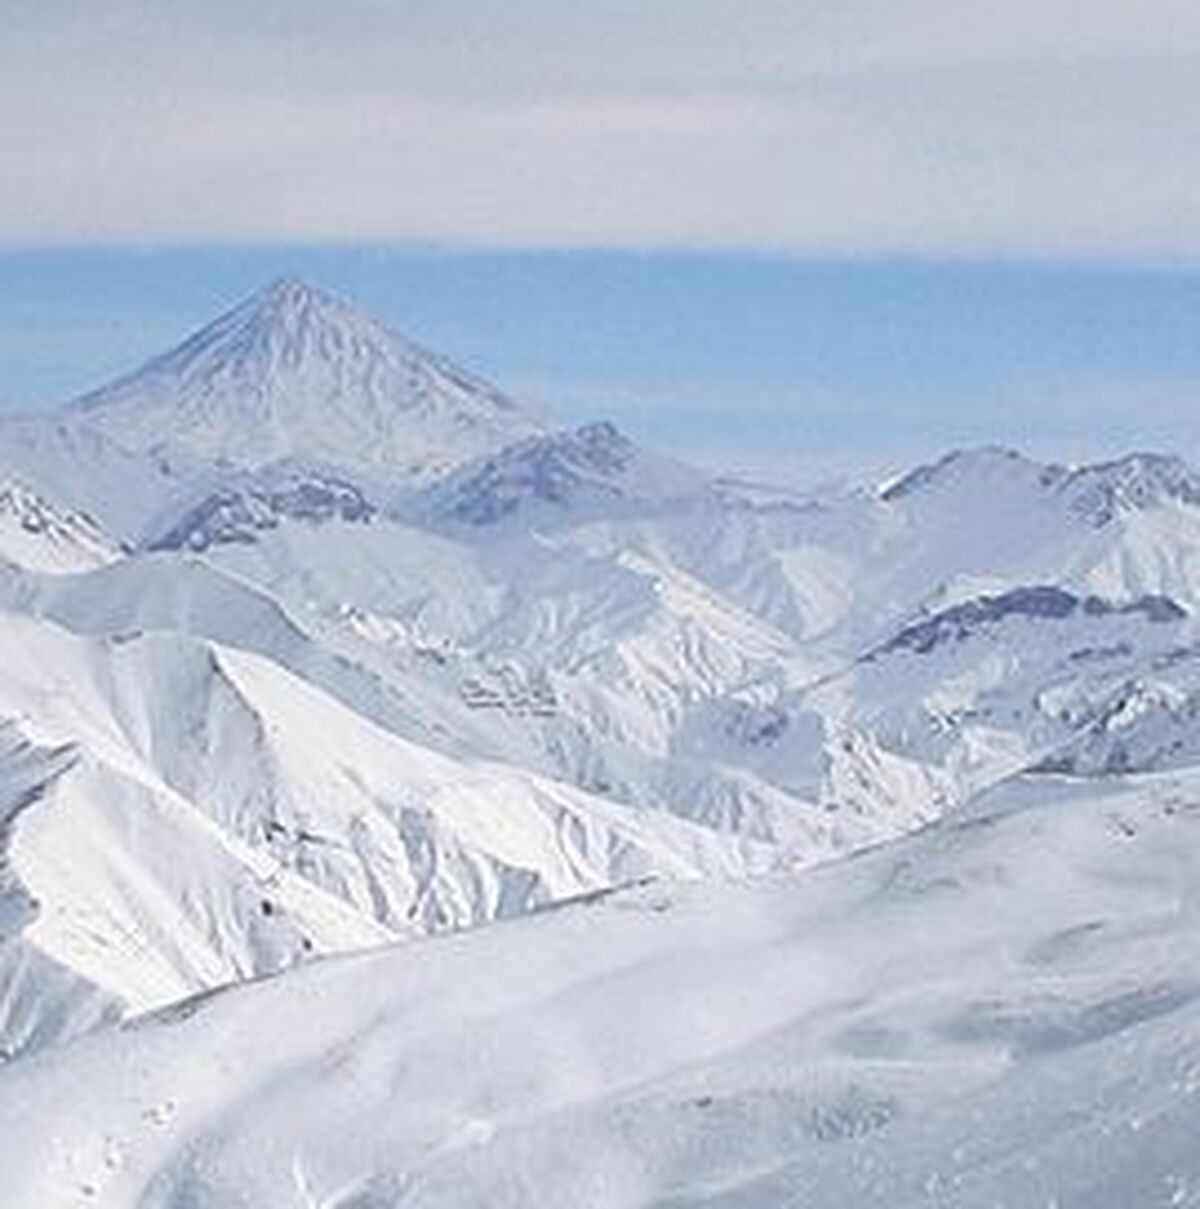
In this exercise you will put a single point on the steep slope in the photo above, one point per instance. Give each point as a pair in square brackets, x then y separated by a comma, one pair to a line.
[36, 535]
[842, 571]
[702, 649]
[587, 669]
[995, 686]
[769, 666]
[681, 637]
[784, 1043]
[991, 518]
[199, 816]
[73, 465]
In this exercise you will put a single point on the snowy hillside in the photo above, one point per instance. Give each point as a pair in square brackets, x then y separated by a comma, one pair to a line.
[183, 815]
[1000, 1011]
[314, 644]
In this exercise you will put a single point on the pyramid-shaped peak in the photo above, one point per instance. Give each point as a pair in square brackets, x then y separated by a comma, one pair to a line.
[287, 330]
[291, 290]
[290, 309]
[295, 372]
[293, 297]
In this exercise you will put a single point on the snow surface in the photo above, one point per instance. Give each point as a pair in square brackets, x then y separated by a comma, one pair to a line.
[999, 1011]
[315, 644]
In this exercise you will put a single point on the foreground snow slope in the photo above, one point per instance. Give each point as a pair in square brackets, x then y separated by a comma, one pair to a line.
[999, 1011]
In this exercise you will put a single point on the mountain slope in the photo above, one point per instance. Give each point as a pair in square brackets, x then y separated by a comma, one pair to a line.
[559, 477]
[374, 655]
[784, 1043]
[296, 374]
[36, 535]
[199, 816]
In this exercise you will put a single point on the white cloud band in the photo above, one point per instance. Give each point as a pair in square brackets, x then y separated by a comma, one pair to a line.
[860, 126]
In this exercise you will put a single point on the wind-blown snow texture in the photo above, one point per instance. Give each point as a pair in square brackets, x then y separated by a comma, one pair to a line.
[316, 644]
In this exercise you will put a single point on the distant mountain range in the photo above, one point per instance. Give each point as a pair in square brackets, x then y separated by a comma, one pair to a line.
[315, 643]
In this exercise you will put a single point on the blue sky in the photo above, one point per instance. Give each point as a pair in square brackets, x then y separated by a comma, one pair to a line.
[754, 361]
[805, 236]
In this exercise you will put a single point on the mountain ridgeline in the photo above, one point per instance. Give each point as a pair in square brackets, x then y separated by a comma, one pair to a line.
[317, 643]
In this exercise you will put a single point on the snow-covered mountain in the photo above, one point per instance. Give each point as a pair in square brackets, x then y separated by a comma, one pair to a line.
[294, 374]
[291, 378]
[558, 476]
[356, 650]
[184, 815]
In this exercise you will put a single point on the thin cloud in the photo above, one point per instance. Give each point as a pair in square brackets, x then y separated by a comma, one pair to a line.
[853, 127]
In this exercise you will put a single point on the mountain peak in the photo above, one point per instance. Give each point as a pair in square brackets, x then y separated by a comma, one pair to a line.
[1101, 492]
[292, 303]
[563, 472]
[973, 468]
[292, 290]
[271, 335]
[297, 374]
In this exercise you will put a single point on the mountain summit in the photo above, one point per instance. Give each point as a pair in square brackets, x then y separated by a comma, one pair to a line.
[295, 374]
